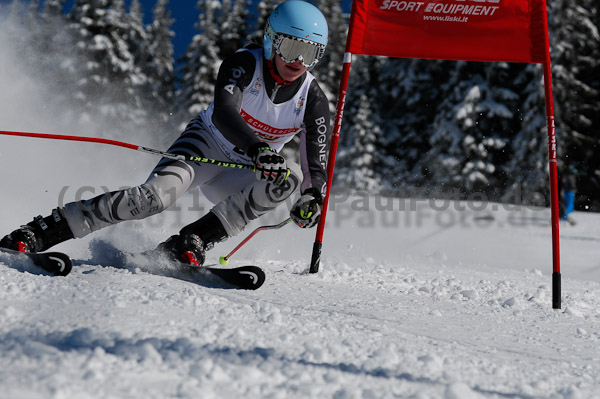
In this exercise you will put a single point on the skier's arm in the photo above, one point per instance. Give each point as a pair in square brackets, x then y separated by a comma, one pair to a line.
[234, 75]
[314, 142]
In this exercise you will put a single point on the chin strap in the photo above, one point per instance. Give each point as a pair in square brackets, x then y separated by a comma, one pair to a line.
[273, 72]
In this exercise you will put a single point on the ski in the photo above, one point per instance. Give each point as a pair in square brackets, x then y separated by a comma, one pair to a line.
[56, 263]
[243, 277]
[155, 262]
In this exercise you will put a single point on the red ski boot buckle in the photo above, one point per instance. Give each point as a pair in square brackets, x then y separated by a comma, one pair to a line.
[189, 257]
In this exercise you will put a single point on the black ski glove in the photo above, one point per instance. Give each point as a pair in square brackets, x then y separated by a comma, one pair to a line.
[268, 165]
[306, 212]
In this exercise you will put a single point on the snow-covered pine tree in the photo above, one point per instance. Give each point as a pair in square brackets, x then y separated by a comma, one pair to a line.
[136, 35]
[200, 63]
[575, 45]
[411, 91]
[233, 26]
[329, 69]
[527, 167]
[138, 44]
[100, 27]
[359, 149]
[160, 66]
[472, 128]
[361, 162]
[264, 8]
[154, 80]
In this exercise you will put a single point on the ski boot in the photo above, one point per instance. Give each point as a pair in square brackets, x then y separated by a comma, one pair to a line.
[192, 242]
[184, 248]
[40, 234]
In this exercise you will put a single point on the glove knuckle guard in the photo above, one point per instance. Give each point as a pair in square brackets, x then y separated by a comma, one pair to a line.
[306, 212]
[269, 165]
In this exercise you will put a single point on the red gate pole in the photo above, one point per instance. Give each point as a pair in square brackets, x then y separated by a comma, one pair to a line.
[556, 283]
[337, 125]
[318, 245]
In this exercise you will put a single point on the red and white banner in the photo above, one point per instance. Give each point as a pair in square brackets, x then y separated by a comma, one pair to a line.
[470, 30]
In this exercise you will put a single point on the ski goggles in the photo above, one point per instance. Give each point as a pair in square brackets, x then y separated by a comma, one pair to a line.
[292, 49]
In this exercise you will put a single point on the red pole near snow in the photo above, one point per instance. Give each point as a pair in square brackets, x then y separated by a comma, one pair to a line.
[337, 125]
[556, 284]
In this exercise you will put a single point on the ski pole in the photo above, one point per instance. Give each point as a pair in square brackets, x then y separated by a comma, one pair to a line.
[131, 147]
[225, 259]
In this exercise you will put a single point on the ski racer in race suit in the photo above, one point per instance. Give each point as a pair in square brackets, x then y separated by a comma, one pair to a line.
[263, 98]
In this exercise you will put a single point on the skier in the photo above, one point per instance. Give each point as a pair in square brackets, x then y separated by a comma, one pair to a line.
[568, 190]
[264, 96]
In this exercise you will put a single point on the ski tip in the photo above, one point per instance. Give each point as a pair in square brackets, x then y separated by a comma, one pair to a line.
[255, 276]
[62, 263]
[244, 277]
[56, 263]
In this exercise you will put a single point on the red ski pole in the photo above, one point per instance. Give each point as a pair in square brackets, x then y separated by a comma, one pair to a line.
[129, 146]
[225, 259]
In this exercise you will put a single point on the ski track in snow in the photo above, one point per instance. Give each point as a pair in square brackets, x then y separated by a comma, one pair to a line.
[417, 327]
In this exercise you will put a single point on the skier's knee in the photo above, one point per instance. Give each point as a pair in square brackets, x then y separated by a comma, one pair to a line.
[279, 193]
[141, 202]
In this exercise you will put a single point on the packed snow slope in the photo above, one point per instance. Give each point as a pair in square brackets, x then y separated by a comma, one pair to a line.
[414, 299]
[440, 303]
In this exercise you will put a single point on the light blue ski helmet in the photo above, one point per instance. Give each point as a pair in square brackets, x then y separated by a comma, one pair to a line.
[296, 30]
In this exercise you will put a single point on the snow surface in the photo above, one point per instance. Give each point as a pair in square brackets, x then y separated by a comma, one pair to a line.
[443, 304]
[422, 300]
